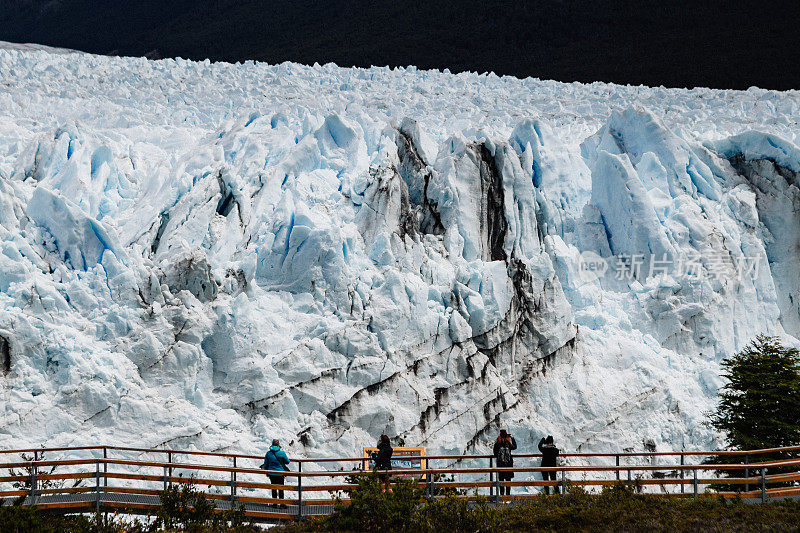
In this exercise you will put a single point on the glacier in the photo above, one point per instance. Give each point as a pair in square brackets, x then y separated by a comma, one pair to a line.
[209, 256]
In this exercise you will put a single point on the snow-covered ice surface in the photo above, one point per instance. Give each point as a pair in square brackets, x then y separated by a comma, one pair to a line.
[211, 255]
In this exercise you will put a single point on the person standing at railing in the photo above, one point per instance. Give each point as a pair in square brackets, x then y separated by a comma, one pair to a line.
[383, 460]
[503, 447]
[549, 459]
[276, 460]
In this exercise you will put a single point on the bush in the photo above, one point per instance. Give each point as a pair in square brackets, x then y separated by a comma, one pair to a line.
[370, 508]
[452, 513]
[617, 508]
[185, 508]
[19, 519]
[43, 484]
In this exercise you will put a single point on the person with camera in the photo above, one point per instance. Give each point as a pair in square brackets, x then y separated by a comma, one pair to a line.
[549, 459]
[503, 447]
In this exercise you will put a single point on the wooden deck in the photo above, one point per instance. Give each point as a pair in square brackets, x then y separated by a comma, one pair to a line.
[126, 480]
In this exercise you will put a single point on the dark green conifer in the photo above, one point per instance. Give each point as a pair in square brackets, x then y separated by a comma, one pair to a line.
[760, 405]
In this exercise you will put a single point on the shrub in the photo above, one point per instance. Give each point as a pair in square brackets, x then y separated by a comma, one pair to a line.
[183, 507]
[370, 508]
[19, 519]
[42, 484]
[616, 508]
[452, 513]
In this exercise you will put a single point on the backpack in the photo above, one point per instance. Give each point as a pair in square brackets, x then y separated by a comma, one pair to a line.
[504, 456]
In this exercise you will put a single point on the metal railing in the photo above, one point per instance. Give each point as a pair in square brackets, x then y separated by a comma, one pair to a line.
[133, 485]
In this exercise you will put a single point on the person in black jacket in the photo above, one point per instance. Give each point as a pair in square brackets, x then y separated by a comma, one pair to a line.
[549, 456]
[383, 460]
[503, 447]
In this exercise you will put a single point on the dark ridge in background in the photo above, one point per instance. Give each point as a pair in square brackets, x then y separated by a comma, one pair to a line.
[673, 43]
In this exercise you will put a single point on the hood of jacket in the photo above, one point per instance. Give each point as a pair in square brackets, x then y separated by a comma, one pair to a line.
[274, 448]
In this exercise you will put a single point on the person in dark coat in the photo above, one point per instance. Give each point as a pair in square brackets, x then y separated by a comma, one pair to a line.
[549, 459]
[503, 447]
[276, 461]
[383, 460]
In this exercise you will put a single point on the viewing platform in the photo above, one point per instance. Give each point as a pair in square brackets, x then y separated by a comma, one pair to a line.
[129, 480]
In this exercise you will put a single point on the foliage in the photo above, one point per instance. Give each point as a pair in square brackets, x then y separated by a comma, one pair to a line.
[371, 509]
[452, 513]
[617, 508]
[445, 491]
[19, 519]
[759, 407]
[185, 508]
[27, 471]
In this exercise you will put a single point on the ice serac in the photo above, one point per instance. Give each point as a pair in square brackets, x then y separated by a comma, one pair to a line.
[416, 172]
[467, 187]
[79, 240]
[560, 176]
[212, 255]
[638, 133]
[770, 166]
[631, 223]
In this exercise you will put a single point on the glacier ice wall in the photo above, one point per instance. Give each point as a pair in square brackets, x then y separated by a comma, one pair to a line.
[211, 256]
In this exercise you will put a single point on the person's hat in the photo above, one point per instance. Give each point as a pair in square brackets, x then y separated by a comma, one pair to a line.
[503, 433]
[276, 442]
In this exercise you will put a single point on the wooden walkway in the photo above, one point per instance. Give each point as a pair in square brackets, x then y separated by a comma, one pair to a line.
[127, 480]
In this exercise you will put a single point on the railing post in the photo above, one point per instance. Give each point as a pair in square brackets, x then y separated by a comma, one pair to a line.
[299, 490]
[747, 473]
[694, 481]
[429, 481]
[105, 466]
[763, 485]
[491, 477]
[34, 477]
[169, 470]
[563, 482]
[683, 463]
[617, 457]
[233, 485]
[97, 487]
[497, 488]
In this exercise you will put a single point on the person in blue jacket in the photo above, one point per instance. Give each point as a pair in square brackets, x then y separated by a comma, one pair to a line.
[276, 461]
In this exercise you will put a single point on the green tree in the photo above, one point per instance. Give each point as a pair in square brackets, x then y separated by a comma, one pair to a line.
[759, 407]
